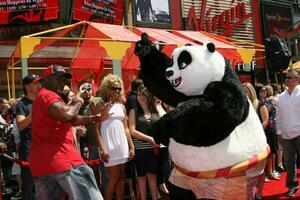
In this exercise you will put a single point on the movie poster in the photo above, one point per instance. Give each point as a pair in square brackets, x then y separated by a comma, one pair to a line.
[152, 13]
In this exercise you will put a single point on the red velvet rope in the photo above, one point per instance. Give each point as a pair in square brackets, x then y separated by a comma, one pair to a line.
[21, 162]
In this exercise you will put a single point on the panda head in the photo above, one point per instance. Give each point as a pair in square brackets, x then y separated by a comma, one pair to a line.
[194, 67]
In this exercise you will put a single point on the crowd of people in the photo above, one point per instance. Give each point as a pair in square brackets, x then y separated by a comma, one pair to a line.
[58, 131]
[278, 115]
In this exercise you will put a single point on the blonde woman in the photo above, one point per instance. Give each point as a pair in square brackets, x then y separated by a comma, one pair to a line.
[251, 94]
[115, 143]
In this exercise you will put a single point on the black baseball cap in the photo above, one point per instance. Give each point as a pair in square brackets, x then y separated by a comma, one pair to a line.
[58, 70]
[31, 78]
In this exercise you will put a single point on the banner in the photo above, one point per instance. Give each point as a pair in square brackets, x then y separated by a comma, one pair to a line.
[276, 17]
[104, 11]
[27, 11]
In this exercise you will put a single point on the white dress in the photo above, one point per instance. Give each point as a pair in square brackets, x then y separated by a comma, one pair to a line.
[114, 137]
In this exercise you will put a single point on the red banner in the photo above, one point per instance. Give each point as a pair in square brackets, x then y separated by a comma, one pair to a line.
[104, 11]
[26, 11]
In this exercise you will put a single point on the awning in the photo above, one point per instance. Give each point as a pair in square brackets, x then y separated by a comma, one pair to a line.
[115, 32]
[162, 36]
[98, 42]
[203, 39]
[180, 38]
[225, 48]
[117, 44]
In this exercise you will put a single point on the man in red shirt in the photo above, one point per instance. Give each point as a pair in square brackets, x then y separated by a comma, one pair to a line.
[54, 161]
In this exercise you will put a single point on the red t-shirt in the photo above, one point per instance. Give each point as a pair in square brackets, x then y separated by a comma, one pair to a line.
[52, 147]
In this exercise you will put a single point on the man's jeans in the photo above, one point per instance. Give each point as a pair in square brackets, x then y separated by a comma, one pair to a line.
[78, 183]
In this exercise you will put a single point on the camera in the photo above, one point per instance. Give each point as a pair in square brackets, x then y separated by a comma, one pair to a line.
[86, 86]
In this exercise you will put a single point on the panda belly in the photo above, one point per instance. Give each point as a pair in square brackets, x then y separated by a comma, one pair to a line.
[247, 140]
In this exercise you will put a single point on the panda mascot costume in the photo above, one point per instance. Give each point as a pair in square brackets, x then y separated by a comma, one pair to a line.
[214, 136]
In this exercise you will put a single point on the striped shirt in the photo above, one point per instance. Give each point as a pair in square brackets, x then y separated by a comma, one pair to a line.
[143, 125]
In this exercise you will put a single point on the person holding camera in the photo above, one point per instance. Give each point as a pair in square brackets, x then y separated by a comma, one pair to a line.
[87, 108]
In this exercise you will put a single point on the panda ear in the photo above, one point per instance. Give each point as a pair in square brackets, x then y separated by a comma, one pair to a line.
[211, 47]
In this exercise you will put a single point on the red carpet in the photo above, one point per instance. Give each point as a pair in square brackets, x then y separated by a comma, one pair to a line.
[276, 189]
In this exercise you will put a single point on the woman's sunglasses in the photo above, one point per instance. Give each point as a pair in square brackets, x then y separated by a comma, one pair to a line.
[263, 90]
[289, 78]
[116, 89]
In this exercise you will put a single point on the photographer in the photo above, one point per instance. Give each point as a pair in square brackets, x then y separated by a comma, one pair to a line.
[89, 140]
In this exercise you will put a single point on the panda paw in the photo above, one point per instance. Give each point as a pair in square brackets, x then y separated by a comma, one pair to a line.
[143, 46]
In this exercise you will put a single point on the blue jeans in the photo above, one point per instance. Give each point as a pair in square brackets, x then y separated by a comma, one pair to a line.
[77, 183]
[290, 149]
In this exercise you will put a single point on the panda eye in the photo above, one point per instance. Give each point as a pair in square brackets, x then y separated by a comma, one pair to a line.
[184, 59]
[182, 66]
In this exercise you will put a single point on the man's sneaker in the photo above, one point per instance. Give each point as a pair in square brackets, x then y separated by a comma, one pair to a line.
[291, 192]
[17, 196]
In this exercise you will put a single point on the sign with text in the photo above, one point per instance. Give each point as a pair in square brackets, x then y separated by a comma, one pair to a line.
[222, 18]
[27, 11]
[104, 11]
[276, 17]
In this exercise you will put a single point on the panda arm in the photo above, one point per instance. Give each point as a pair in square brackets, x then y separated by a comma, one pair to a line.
[228, 97]
[206, 120]
[162, 129]
[153, 65]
